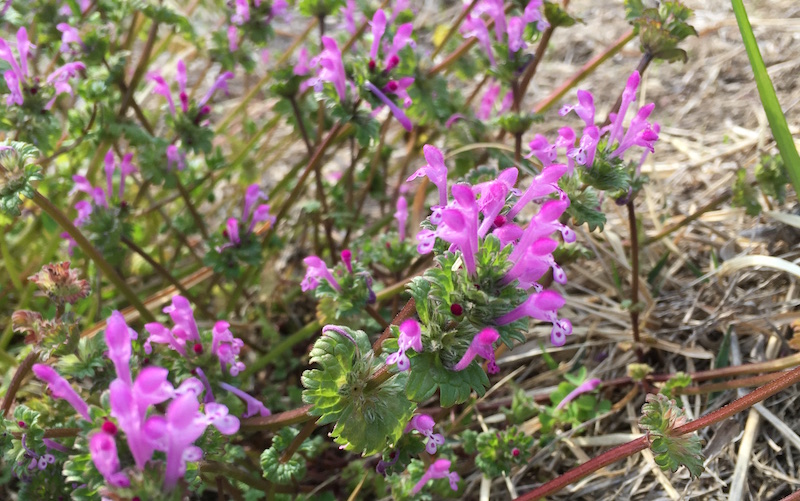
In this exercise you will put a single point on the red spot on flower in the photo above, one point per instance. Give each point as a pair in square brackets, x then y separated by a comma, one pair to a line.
[22, 424]
[392, 85]
[456, 309]
[499, 221]
[198, 348]
[109, 427]
[371, 65]
[515, 452]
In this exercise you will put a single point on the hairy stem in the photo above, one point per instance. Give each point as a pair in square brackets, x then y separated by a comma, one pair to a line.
[634, 308]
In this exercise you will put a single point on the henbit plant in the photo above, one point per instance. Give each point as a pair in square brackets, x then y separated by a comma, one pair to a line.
[125, 409]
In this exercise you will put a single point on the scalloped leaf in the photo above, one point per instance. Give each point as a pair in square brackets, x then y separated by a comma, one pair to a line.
[428, 374]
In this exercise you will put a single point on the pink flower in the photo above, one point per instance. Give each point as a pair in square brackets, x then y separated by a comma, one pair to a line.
[423, 423]
[60, 388]
[226, 348]
[317, 269]
[435, 170]
[68, 35]
[439, 469]
[331, 68]
[542, 306]
[543, 184]
[378, 28]
[254, 406]
[401, 214]
[397, 112]
[481, 345]
[584, 108]
[103, 450]
[118, 340]
[410, 338]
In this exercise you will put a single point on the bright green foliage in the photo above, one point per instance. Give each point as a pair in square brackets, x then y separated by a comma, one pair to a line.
[16, 175]
[293, 470]
[228, 260]
[368, 416]
[428, 374]
[106, 227]
[661, 28]
[660, 417]
[498, 451]
[745, 194]
[346, 305]
[584, 204]
[522, 409]
[83, 362]
[679, 380]
[319, 8]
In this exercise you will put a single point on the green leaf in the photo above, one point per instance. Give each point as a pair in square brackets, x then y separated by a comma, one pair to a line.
[679, 380]
[293, 470]
[368, 416]
[429, 374]
[16, 175]
[745, 195]
[660, 417]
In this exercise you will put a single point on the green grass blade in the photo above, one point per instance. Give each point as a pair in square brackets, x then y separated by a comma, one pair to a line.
[777, 121]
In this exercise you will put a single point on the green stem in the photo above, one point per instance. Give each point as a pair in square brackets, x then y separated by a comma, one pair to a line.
[10, 264]
[93, 254]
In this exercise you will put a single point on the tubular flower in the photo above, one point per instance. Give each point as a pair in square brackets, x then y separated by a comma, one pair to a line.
[396, 111]
[542, 306]
[331, 68]
[118, 339]
[423, 423]
[317, 269]
[60, 388]
[103, 450]
[254, 406]
[435, 170]
[184, 330]
[410, 338]
[252, 215]
[458, 225]
[226, 348]
[482, 345]
[401, 214]
[439, 469]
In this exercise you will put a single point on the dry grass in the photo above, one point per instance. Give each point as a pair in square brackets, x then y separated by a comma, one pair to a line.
[712, 124]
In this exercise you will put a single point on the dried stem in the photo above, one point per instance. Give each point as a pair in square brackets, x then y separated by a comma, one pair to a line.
[634, 307]
[16, 381]
[788, 379]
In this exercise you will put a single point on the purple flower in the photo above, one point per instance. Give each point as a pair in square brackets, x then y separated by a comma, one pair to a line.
[492, 198]
[435, 170]
[401, 214]
[542, 306]
[397, 112]
[350, 17]
[532, 265]
[118, 340]
[423, 423]
[163, 88]
[59, 79]
[60, 388]
[543, 184]
[532, 13]
[241, 12]
[129, 405]
[439, 469]
[176, 157]
[475, 27]
[410, 338]
[226, 348]
[542, 225]
[481, 345]
[628, 95]
[317, 269]
[516, 28]
[176, 432]
[17, 76]
[459, 226]
[487, 102]
[584, 387]
[378, 28]
[331, 68]
[233, 38]
[301, 67]
[584, 109]
[347, 259]
[184, 330]
[103, 450]
[254, 406]
[68, 35]
[400, 89]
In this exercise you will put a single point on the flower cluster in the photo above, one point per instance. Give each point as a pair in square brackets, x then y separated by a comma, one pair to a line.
[23, 88]
[508, 30]
[476, 212]
[640, 132]
[237, 229]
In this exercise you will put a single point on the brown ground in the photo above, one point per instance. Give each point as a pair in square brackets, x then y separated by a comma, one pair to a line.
[712, 124]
